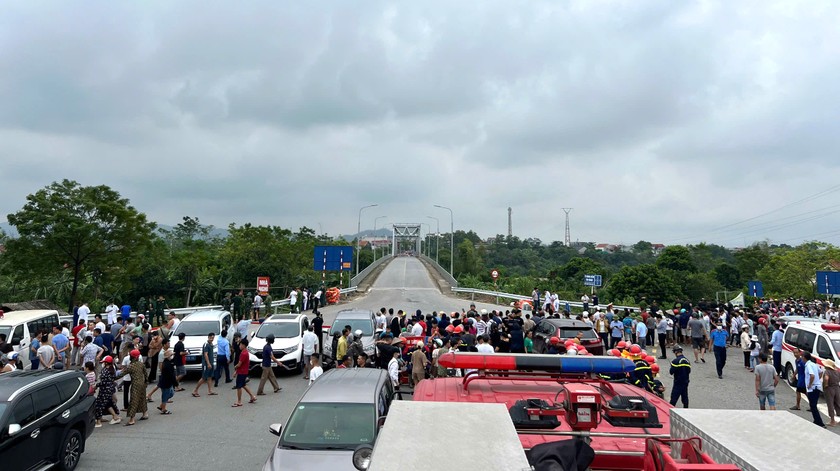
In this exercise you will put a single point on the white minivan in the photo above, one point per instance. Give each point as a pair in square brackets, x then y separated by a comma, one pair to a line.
[821, 339]
[20, 328]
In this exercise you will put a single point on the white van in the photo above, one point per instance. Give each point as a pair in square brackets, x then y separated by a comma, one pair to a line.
[822, 340]
[20, 327]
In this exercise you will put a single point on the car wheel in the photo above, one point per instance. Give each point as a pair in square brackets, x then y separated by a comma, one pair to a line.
[790, 375]
[71, 450]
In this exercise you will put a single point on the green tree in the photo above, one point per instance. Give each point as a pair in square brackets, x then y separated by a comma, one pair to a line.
[192, 252]
[74, 227]
[728, 276]
[751, 260]
[467, 261]
[792, 272]
[642, 281]
[677, 258]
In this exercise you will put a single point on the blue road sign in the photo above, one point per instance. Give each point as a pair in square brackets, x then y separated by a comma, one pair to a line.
[332, 258]
[828, 282]
[591, 280]
[755, 289]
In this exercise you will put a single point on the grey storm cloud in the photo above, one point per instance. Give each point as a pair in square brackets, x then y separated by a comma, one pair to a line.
[654, 120]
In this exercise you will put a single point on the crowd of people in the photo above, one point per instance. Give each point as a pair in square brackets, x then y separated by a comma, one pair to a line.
[129, 355]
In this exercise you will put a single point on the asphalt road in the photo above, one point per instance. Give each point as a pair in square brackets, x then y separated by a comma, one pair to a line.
[206, 433]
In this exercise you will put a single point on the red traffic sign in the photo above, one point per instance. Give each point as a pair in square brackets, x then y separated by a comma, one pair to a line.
[494, 274]
[262, 285]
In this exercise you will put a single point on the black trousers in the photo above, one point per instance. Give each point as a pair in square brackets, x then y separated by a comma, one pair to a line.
[663, 339]
[720, 359]
[747, 359]
[153, 369]
[221, 365]
[126, 389]
[813, 399]
[777, 362]
[679, 391]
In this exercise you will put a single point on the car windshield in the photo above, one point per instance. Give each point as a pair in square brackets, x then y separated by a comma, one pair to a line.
[197, 328]
[365, 325]
[280, 330]
[329, 425]
[571, 332]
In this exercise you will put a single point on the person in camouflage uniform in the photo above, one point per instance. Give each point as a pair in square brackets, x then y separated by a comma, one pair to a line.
[160, 308]
[249, 304]
[237, 306]
[226, 302]
[141, 305]
[267, 300]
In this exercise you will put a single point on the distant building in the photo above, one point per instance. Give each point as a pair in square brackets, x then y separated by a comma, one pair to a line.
[657, 249]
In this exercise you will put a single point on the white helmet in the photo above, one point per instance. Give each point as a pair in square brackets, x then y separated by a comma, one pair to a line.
[358, 333]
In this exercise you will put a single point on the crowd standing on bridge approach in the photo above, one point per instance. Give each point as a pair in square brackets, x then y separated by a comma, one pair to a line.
[130, 355]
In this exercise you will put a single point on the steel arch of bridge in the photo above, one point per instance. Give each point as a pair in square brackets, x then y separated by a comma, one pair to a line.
[406, 231]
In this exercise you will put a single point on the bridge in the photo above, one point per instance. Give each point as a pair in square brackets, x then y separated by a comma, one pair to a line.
[405, 283]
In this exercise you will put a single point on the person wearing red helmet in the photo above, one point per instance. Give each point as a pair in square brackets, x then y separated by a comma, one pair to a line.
[621, 345]
[657, 386]
[650, 360]
[105, 404]
[635, 349]
[553, 347]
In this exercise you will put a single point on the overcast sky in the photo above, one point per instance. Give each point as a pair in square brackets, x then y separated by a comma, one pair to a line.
[664, 121]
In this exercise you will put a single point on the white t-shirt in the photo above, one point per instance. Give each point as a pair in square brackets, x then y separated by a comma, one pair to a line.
[47, 352]
[812, 368]
[101, 326]
[125, 362]
[417, 330]
[175, 323]
[484, 348]
[257, 301]
[84, 312]
[309, 341]
[293, 298]
[380, 322]
[111, 310]
[314, 373]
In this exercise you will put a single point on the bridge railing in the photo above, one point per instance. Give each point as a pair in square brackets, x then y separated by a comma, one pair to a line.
[367, 271]
[519, 297]
[183, 311]
[443, 273]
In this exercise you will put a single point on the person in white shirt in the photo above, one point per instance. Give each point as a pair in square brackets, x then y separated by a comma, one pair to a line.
[293, 300]
[84, 313]
[813, 386]
[381, 322]
[555, 301]
[304, 299]
[101, 326]
[393, 369]
[111, 310]
[257, 306]
[547, 300]
[417, 329]
[482, 346]
[315, 371]
[242, 327]
[310, 344]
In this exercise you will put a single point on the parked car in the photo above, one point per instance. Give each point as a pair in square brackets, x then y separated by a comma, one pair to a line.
[357, 319]
[566, 329]
[45, 418]
[196, 326]
[288, 332]
[822, 340]
[20, 328]
[342, 411]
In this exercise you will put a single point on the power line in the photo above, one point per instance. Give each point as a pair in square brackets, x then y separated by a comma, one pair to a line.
[803, 200]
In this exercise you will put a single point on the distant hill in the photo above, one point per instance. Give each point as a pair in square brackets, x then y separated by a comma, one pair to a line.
[216, 232]
[368, 233]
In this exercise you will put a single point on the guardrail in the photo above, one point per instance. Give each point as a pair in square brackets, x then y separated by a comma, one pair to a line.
[368, 270]
[183, 311]
[445, 274]
[519, 297]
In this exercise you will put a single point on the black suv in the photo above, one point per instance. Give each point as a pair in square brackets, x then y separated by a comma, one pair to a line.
[45, 418]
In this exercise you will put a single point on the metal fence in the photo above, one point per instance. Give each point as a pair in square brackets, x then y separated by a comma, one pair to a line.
[368, 270]
[519, 297]
[443, 273]
[183, 311]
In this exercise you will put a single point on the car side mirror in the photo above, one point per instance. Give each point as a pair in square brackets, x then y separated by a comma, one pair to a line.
[275, 429]
[252, 334]
[14, 429]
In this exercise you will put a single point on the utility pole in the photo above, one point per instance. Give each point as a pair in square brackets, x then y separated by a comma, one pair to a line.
[510, 223]
[568, 238]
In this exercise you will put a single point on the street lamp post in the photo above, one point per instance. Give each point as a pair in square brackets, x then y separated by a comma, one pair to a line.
[451, 238]
[437, 238]
[359, 234]
[375, 221]
[428, 230]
